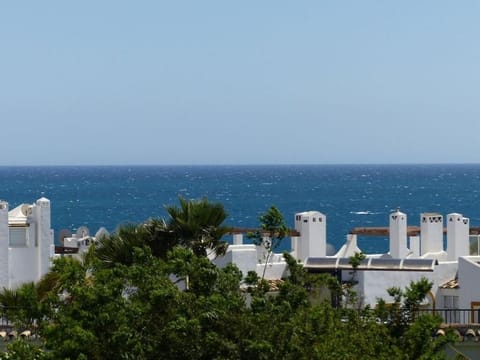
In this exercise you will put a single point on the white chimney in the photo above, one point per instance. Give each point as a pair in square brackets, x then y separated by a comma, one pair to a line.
[312, 242]
[398, 235]
[458, 231]
[431, 233]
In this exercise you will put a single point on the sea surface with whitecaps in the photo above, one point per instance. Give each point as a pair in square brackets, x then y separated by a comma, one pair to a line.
[349, 195]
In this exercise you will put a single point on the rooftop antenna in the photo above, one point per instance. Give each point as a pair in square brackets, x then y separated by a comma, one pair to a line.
[82, 231]
[64, 233]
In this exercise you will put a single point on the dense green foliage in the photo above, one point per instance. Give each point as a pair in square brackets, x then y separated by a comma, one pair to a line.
[195, 224]
[198, 225]
[128, 301]
[137, 312]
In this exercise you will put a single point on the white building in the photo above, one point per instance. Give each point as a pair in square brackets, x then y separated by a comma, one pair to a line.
[453, 271]
[27, 247]
[77, 244]
[425, 257]
[26, 242]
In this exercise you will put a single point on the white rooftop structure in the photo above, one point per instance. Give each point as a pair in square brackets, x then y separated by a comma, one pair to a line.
[410, 258]
[26, 242]
[79, 242]
[27, 247]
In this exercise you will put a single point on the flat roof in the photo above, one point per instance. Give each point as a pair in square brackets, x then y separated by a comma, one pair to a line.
[376, 264]
[385, 230]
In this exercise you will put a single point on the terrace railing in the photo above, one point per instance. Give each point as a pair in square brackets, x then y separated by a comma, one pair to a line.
[455, 316]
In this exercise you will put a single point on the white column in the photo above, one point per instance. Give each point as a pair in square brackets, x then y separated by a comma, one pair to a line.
[312, 242]
[458, 231]
[4, 242]
[44, 236]
[398, 235]
[237, 239]
[294, 246]
[431, 233]
[415, 245]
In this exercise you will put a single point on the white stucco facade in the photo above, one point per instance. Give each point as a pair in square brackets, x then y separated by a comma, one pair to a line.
[457, 233]
[398, 235]
[373, 285]
[4, 240]
[243, 256]
[431, 225]
[26, 242]
[468, 279]
[312, 226]
[27, 248]
[408, 260]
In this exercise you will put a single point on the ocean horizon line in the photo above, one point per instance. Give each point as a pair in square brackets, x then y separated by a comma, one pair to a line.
[240, 165]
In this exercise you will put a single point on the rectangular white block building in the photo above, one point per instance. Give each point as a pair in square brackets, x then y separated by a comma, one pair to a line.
[26, 242]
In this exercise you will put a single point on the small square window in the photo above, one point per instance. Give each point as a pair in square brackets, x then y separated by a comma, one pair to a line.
[18, 237]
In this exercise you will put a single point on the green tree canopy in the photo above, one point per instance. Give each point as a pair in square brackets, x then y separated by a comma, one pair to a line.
[132, 306]
[195, 224]
[198, 225]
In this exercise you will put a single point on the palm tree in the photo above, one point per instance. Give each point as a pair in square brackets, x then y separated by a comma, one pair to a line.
[197, 224]
[119, 246]
[159, 238]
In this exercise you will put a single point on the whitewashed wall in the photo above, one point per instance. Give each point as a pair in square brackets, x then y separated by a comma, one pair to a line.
[374, 284]
[469, 280]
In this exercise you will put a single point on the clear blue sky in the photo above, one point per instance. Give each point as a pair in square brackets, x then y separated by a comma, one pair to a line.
[239, 82]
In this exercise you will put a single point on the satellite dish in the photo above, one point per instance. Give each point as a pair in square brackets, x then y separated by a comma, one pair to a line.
[62, 234]
[26, 209]
[82, 232]
[102, 232]
[330, 250]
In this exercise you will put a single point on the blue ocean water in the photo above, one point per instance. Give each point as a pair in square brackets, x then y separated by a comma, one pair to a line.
[349, 195]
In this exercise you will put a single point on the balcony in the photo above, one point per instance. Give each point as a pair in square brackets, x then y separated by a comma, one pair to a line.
[455, 316]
